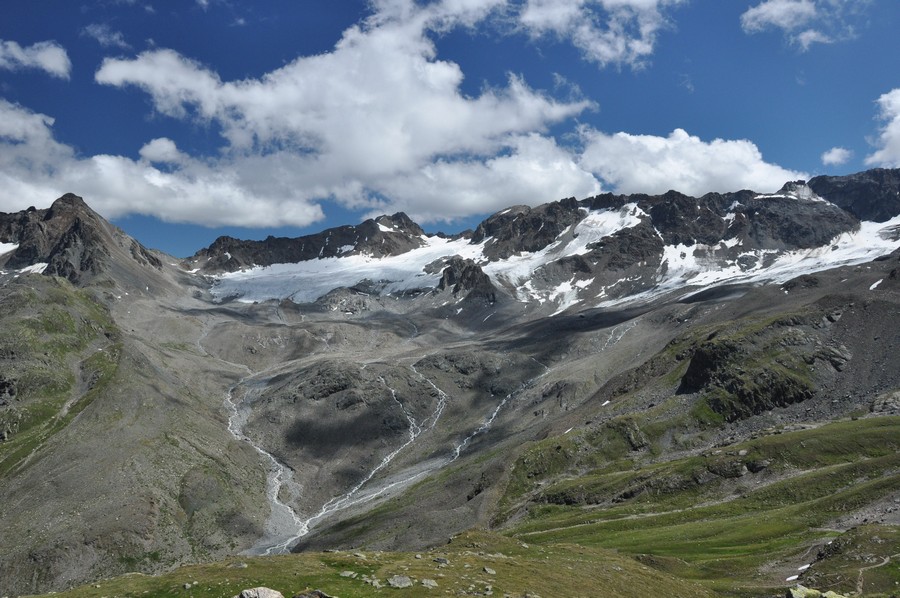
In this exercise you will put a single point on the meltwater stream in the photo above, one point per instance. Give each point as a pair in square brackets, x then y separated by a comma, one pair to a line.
[285, 527]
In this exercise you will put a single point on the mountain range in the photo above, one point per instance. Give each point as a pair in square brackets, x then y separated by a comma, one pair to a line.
[707, 386]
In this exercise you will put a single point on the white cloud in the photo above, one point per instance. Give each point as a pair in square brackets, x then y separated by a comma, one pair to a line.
[47, 56]
[806, 22]
[35, 169]
[888, 153]
[537, 169]
[836, 156]
[652, 164]
[608, 32]
[351, 124]
[781, 14]
[378, 123]
[105, 36]
[805, 39]
[162, 150]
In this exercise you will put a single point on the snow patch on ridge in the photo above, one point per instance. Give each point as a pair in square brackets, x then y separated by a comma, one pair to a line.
[801, 192]
[34, 268]
[307, 281]
[8, 247]
[684, 266]
[517, 270]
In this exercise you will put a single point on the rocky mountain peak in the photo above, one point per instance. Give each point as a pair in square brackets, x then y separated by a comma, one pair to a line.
[793, 187]
[401, 223]
[67, 203]
[377, 237]
[70, 239]
[521, 228]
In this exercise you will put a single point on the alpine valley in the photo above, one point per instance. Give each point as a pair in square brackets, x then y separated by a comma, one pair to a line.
[615, 396]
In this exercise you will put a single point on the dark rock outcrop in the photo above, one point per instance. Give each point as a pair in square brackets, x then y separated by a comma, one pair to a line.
[785, 223]
[521, 228]
[379, 237]
[465, 276]
[74, 241]
[684, 220]
[872, 195]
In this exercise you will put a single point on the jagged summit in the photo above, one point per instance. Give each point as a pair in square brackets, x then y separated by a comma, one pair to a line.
[378, 237]
[72, 241]
[573, 253]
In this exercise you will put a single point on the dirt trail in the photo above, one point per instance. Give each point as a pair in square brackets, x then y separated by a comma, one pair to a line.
[860, 578]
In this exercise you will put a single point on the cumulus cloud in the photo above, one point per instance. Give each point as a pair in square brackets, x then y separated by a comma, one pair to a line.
[35, 169]
[105, 36]
[47, 56]
[836, 156]
[782, 14]
[353, 124]
[162, 150]
[608, 32]
[805, 22]
[888, 153]
[379, 123]
[652, 164]
[536, 169]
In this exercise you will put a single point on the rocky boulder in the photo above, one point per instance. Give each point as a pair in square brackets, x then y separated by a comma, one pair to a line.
[400, 581]
[260, 593]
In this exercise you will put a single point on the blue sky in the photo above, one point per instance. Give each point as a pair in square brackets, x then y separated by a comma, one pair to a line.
[182, 120]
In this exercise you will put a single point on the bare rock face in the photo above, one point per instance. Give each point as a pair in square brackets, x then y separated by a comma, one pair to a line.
[871, 195]
[379, 237]
[74, 241]
[684, 220]
[521, 228]
[465, 276]
[783, 222]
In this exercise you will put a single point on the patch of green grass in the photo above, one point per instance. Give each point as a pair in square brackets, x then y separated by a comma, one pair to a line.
[705, 416]
[46, 419]
[477, 562]
[49, 332]
[705, 532]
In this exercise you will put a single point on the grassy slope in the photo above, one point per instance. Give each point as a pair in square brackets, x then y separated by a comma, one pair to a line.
[686, 540]
[62, 349]
[726, 536]
[518, 569]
